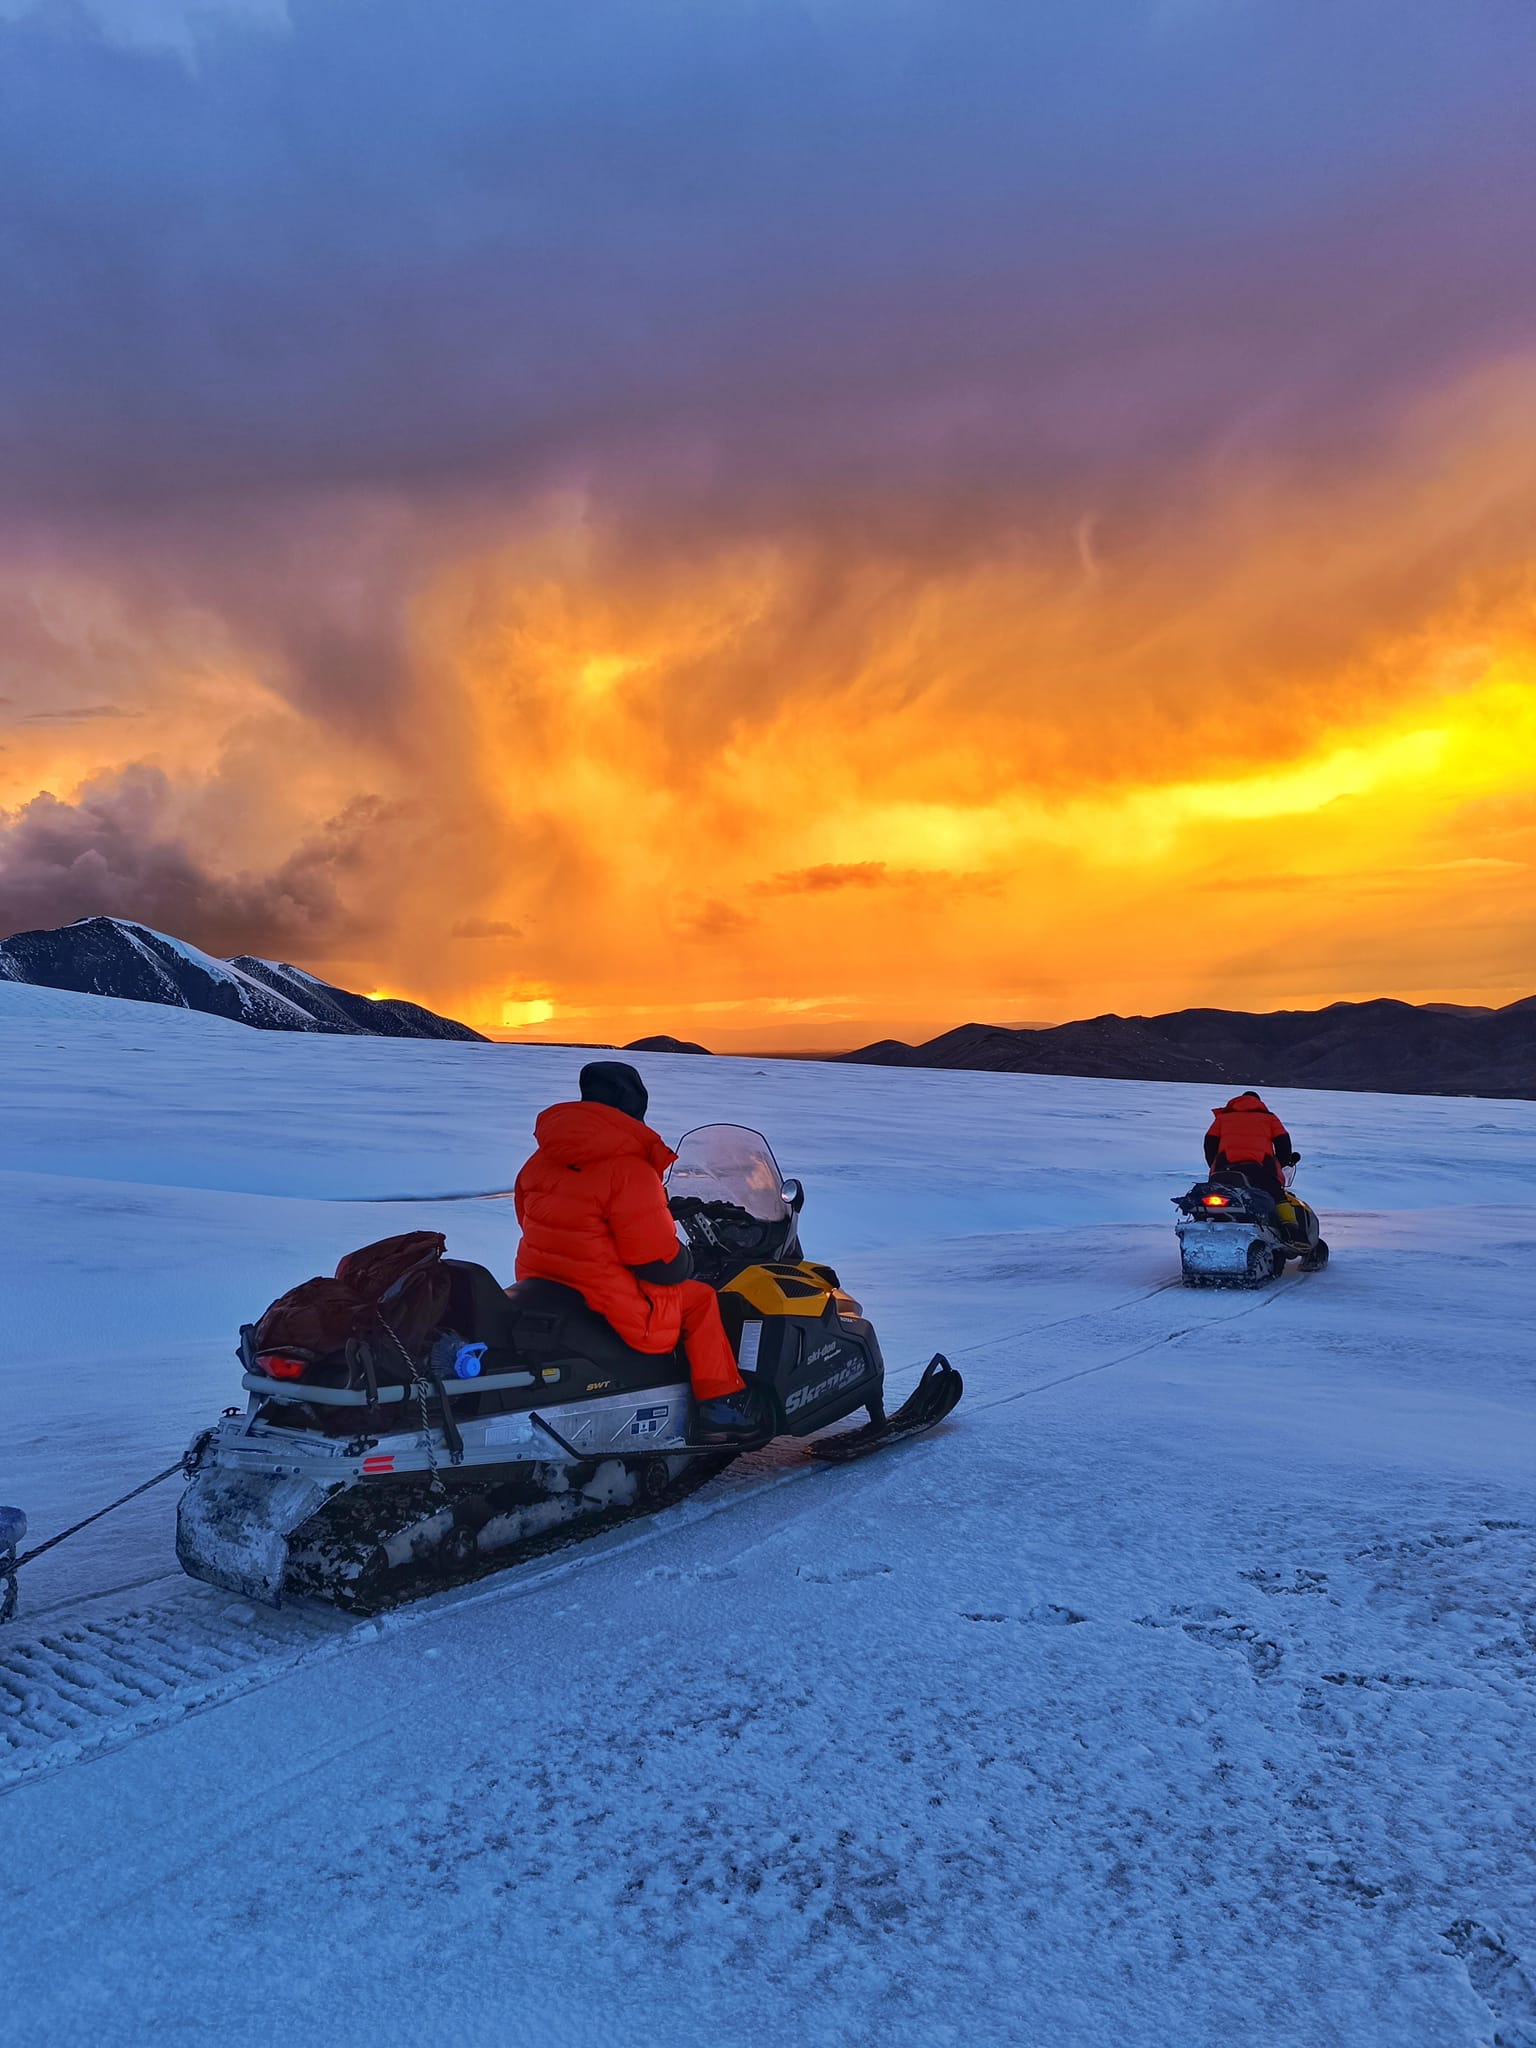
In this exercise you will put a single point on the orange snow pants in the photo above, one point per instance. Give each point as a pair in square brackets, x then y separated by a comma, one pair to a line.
[711, 1361]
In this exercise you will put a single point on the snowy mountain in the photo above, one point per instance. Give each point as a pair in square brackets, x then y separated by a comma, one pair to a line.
[112, 956]
[1390, 1047]
[338, 1009]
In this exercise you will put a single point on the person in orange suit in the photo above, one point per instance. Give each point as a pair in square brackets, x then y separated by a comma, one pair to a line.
[1246, 1133]
[594, 1217]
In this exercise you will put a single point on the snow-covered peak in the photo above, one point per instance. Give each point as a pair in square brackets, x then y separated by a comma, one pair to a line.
[287, 969]
[114, 956]
[120, 957]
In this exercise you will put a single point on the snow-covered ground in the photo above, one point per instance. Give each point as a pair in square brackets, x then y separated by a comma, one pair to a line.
[1181, 1690]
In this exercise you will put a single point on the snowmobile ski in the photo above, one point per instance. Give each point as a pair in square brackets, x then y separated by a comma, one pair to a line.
[936, 1393]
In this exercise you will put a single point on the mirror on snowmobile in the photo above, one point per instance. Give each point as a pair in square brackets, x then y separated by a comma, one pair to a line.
[794, 1195]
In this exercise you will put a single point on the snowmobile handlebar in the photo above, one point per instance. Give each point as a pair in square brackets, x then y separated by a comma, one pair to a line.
[724, 1237]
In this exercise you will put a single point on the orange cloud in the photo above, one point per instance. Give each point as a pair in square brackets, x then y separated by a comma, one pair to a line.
[890, 793]
[484, 928]
[1270, 741]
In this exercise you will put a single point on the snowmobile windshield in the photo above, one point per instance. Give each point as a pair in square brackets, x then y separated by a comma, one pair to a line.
[728, 1163]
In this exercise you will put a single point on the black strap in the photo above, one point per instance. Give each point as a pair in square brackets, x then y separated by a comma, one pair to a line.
[451, 1433]
[360, 1352]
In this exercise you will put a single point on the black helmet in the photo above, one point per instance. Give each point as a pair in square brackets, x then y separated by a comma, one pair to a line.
[617, 1084]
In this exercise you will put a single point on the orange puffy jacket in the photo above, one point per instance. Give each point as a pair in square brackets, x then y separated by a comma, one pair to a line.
[1244, 1132]
[591, 1205]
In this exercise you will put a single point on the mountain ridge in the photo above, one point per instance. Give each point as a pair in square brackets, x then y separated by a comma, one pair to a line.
[1383, 1046]
[118, 957]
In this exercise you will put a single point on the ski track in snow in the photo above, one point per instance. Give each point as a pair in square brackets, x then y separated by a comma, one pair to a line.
[1179, 1689]
[79, 1686]
[103, 1678]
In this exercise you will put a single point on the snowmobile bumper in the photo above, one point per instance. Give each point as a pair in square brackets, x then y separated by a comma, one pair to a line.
[1218, 1250]
[232, 1528]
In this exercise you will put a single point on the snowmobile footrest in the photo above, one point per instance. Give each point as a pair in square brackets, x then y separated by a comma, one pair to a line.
[935, 1394]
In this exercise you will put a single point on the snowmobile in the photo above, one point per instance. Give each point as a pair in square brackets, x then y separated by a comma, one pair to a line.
[1233, 1233]
[378, 1470]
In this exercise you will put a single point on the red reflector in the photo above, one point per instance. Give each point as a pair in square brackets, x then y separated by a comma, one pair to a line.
[281, 1368]
[379, 1464]
[1215, 1201]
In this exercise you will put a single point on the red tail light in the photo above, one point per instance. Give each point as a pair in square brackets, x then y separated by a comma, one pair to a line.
[281, 1368]
[1216, 1201]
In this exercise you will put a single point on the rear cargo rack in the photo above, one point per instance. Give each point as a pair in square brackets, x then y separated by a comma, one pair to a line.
[351, 1397]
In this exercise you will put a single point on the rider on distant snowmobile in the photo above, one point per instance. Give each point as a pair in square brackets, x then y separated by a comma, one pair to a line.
[1246, 1133]
[594, 1217]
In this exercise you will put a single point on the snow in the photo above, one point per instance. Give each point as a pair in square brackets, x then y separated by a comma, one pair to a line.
[1178, 1690]
[205, 963]
[292, 973]
[254, 997]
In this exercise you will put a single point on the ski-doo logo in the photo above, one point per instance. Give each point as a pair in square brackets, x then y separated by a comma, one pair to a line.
[848, 1377]
[648, 1421]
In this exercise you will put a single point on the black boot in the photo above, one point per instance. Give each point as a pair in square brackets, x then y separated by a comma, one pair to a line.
[730, 1419]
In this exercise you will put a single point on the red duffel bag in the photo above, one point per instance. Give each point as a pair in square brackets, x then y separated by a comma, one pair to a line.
[395, 1289]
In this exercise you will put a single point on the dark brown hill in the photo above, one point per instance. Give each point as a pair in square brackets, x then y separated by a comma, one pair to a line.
[1386, 1047]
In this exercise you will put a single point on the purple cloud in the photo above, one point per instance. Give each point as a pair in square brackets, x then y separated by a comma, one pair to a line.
[740, 253]
[113, 852]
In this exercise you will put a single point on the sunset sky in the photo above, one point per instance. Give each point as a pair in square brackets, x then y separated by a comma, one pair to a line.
[780, 523]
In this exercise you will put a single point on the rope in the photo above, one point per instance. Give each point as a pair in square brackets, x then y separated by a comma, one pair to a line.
[1082, 1315]
[1270, 1295]
[75, 1528]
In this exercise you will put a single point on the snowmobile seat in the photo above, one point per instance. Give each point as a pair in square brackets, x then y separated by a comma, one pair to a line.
[478, 1309]
[550, 1322]
[1240, 1177]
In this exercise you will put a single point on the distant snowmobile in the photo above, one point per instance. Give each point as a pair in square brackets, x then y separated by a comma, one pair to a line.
[372, 1472]
[1233, 1233]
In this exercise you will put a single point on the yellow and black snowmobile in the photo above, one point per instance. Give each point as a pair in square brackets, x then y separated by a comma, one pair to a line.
[429, 1445]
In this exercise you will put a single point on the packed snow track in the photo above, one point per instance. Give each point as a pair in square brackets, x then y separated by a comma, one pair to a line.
[117, 1666]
